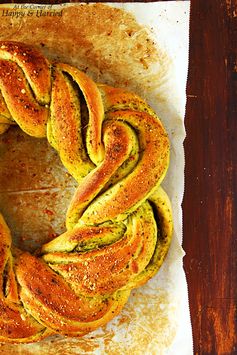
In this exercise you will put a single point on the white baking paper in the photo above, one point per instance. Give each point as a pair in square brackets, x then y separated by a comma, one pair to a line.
[156, 319]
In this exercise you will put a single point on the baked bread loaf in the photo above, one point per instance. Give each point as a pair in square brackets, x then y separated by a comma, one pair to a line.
[119, 222]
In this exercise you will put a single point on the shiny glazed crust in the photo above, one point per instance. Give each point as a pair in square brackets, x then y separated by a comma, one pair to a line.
[119, 222]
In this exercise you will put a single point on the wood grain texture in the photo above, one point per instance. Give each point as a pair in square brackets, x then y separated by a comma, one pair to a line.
[210, 201]
[211, 160]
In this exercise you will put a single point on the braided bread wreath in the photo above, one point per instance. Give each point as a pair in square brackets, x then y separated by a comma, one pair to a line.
[119, 222]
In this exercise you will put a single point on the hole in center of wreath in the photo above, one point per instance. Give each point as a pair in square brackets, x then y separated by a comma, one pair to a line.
[35, 189]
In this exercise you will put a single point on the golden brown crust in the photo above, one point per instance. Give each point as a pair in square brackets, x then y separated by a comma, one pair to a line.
[119, 221]
[15, 322]
[95, 111]
[34, 65]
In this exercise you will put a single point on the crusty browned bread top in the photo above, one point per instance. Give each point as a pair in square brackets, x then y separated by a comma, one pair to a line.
[119, 221]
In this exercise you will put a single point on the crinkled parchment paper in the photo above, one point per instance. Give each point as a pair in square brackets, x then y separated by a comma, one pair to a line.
[143, 47]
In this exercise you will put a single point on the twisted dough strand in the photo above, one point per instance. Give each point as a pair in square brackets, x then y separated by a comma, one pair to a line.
[119, 222]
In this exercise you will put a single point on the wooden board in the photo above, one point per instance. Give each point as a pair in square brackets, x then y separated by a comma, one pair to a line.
[210, 220]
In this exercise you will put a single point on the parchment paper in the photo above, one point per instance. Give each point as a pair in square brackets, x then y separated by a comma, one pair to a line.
[145, 50]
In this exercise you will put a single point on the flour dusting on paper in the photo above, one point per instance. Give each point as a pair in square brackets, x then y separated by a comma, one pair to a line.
[142, 47]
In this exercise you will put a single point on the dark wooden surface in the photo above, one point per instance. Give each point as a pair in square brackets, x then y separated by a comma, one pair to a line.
[210, 220]
[210, 201]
